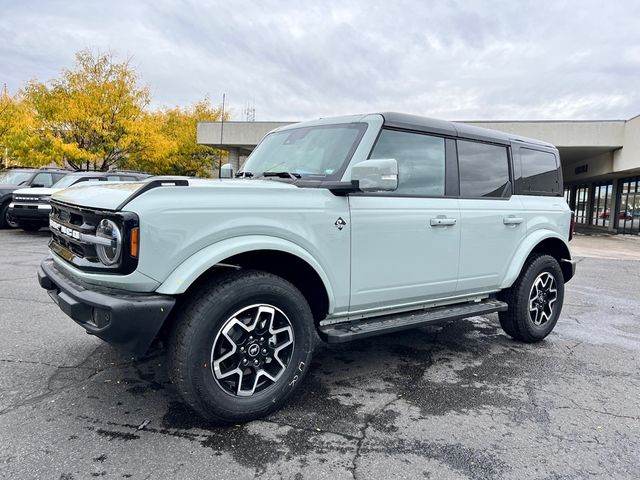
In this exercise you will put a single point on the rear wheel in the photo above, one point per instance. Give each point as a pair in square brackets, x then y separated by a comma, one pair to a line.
[535, 300]
[241, 346]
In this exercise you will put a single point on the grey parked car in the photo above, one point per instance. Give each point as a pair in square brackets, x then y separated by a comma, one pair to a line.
[29, 208]
[341, 228]
[17, 178]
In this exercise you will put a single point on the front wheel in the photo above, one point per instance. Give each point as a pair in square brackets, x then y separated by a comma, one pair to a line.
[241, 346]
[535, 300]
[6, 220]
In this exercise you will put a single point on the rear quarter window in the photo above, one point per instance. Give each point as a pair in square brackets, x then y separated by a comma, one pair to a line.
[537, 173]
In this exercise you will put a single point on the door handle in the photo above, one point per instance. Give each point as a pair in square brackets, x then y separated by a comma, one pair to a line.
[511, 220]
[442, 221]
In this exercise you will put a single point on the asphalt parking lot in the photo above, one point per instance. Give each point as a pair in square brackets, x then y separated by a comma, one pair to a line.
[460, 400]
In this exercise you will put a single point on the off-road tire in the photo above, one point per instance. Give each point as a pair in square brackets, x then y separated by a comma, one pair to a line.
[4, 220]
[517, 321]
[203, 316]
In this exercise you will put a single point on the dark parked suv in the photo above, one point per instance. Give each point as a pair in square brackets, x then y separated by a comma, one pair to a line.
[15, 178]
[30, 206]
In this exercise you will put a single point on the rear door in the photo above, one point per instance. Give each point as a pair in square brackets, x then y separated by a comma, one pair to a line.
[405, 244]
[492, 218]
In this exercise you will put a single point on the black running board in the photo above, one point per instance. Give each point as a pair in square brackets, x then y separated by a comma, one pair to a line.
[345, 332]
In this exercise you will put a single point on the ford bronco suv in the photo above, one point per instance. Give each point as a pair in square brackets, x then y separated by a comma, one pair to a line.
[17, 178]
[30, 207]
[341, 228]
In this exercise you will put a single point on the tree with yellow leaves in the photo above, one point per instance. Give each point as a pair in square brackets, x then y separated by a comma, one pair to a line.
[171, 141]
[96, 117]
[90, 117]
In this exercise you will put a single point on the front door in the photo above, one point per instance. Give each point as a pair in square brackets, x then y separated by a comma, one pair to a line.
[405, 244]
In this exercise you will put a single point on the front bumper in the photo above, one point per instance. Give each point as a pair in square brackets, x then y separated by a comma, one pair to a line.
[125, 319]
[30, 213]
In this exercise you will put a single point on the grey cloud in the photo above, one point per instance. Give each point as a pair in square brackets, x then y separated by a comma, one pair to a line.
[299, 60]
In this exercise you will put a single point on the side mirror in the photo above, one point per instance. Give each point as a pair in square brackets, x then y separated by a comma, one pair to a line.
[226, 171]
[377, 175]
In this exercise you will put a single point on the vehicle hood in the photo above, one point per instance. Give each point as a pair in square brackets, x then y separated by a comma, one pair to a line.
[112, 195]
[8, 188]
[36, 192]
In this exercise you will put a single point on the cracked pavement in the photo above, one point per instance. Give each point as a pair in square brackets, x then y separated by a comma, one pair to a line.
[459, 400]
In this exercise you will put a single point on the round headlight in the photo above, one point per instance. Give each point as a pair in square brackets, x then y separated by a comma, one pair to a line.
[109, 255]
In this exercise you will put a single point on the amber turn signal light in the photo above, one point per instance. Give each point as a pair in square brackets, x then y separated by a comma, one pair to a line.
[135, 242]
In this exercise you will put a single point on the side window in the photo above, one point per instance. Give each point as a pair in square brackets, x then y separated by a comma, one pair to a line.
[420, 158]
[483, 169]
[44, 179]
[539, 173]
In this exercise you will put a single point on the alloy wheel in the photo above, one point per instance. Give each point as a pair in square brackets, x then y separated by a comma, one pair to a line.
[542, 298]
[252, 350]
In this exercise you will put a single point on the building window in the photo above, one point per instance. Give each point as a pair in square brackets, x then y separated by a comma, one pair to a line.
[602, 214]
[629, 217]
[582, 204]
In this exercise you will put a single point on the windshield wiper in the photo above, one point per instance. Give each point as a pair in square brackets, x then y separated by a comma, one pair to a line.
[244, 175]
[291, 175]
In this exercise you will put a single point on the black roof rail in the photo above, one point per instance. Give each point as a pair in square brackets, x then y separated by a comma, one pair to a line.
[151, 184]
[118, 170]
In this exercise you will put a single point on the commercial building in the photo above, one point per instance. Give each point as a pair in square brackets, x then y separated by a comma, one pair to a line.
[600, 161]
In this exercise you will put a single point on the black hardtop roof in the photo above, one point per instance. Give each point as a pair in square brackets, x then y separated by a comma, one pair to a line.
[32, 169]
[456, 129]
[95, 173]
[84, 173]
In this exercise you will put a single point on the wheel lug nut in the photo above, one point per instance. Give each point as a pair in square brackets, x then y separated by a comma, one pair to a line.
[255, 362]
[264, 351]
[261, 339]
[250, 338]
[242, 349]
[244, 361]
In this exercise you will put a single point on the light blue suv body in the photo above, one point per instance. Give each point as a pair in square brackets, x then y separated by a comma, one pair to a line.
[370, 216]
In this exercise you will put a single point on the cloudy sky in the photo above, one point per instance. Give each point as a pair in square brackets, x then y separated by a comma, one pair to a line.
[459, 60]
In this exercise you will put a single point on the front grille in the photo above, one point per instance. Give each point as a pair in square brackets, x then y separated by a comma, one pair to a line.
[26, 198]
[66, 243]
[81, 220]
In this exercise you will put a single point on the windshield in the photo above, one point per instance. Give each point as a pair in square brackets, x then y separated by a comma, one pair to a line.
[14, 178]
[69, 180]
[307, 151]
[66, 181]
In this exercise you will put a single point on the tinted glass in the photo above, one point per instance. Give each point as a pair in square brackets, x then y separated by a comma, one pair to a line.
[420, 160]
[308, 151]
[484, 169]
[14, 178]
[539, 172]
[44, 179]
